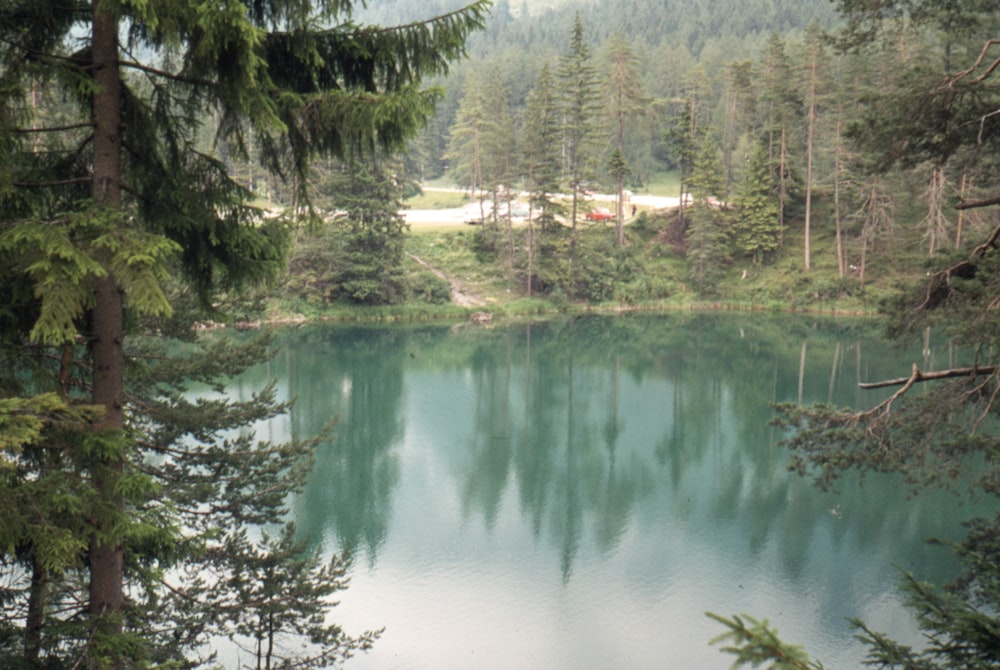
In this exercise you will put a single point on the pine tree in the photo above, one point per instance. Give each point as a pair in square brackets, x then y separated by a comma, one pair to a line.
[466, 145]
[755, 203]
[97, 225]
[626, 100]
[816, 59]
[499, 165]
[937, 428]
[358, 254]
[687, 129]
[580, 108]
[740, 109]
[541, 162]
[707, 236]
[781, 106]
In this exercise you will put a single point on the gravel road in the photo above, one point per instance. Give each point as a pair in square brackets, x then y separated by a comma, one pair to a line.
[459, 215]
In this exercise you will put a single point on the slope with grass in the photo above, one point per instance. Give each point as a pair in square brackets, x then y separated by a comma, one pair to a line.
[450, 277]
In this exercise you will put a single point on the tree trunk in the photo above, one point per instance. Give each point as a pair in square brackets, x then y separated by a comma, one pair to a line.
[530, 249]
[35, 620]
[936, 222]
[106, 553]
[620, 212]
[961, 212]
[729, 134]
[841, 264]
[782, 184]
[810, 133]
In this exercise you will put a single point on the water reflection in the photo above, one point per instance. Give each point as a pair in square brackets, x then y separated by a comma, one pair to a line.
[562, 473]
[356, 379]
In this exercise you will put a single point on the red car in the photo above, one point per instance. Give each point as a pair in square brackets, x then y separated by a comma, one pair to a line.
[600, 214]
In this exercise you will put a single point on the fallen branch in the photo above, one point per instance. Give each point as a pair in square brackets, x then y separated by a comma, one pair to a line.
[974, 204]
[994, 64]
[919, 376]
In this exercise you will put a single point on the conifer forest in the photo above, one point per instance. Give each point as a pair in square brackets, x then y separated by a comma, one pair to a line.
[166, 163]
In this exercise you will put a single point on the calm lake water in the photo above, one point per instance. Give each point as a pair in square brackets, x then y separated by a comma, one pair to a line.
[578, 493]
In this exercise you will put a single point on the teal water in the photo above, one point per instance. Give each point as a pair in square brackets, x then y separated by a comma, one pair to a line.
[578, 493]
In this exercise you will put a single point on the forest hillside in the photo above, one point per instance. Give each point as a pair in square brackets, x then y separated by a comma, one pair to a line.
[816, 170]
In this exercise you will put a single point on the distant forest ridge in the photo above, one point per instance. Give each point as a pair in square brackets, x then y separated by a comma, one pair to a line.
[540, 25]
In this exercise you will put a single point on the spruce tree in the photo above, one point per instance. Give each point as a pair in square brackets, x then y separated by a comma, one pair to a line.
[123, 195]
[541, 166]
[357, 253]
[756, 216]
[707, 235]
[626, 100]
[466, 146]
[781, 106]
[580, 107]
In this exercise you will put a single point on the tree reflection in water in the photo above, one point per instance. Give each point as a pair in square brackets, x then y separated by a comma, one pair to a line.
[599, 441]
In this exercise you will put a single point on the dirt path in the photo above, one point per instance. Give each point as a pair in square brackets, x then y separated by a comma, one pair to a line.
[459, 295]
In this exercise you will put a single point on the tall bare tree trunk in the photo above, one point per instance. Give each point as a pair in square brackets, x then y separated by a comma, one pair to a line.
[782, 183]
[810, 134]
[107, 339]
[531, 252]
[837, 219]
[936, 221]
[961, 212]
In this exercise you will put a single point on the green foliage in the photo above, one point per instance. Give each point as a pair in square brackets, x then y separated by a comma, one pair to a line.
[357, 254]
[64, 258]
[757, 216]
[755, 643]
[707, 235]
[278, 588]
[602, 268]
[122, 126]
[23, 421]
[962, 628]
[465, 143]
[428, 287]
[945, 436]
[579, 105]
[541, 154]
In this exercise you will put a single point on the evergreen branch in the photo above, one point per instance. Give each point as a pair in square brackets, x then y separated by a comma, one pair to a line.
[478, 8]
[953, 79]
[754, 643]
[147, 69]
[884, 406]
[54, 129]
[937, 287]
[178, 592]
[990, 242]
[52, 184]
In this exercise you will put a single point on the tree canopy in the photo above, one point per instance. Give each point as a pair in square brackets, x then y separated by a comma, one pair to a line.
[937, 427]
[119, 123]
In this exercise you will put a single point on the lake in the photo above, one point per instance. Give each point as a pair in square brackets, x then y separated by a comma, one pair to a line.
[577, 493]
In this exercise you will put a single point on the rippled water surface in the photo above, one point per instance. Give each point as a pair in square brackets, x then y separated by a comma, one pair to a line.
[578, 493]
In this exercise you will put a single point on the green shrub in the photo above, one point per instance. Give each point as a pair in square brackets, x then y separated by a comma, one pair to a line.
[429, 288]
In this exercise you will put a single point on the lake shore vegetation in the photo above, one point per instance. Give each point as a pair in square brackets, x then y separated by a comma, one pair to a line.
[166, 165]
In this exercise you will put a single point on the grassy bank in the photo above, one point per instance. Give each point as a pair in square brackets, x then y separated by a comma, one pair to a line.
[650, 273]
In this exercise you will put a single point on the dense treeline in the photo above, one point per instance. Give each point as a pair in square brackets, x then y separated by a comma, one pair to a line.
[776, 126]
[789, 141]
[777, 132]
[669, 39]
